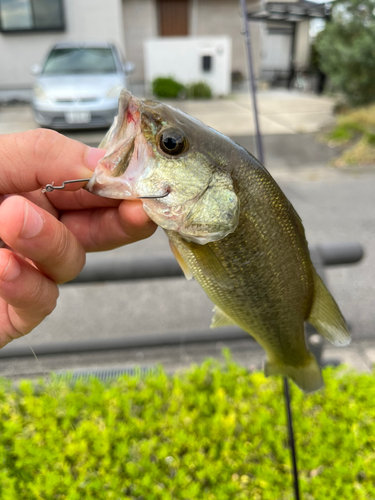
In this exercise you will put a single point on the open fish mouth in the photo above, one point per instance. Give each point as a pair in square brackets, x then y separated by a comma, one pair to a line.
[117, 171]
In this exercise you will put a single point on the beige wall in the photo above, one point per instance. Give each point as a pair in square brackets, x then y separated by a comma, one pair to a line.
[222, 17]
[207, 17]
[140, 23]
[86, 20]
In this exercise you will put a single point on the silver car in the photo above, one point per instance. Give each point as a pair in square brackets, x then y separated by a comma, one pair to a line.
[78, 86]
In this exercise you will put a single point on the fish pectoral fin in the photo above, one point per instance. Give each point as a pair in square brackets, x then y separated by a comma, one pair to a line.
[188, 274]
[326, 317]
[209, 264]
[220, 318]
[308, 377]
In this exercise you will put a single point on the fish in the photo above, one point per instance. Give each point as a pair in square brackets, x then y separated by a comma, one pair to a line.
[230, 227]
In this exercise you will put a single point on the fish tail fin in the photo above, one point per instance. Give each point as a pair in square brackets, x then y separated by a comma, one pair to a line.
[326, 317]
[308, 377]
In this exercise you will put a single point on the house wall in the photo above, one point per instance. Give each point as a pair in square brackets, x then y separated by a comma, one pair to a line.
[127, 23]
[86, 20]
[181, 58]
[140, 23]
[223, 17]
[207, 17]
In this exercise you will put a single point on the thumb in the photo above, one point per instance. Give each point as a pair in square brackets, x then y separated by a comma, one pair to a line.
[29, 160]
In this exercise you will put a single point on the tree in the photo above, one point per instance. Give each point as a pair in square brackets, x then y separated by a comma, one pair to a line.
[346, 49]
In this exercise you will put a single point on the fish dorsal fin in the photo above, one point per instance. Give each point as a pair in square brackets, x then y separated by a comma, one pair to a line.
[188, 274]
[209, 265]
[220, 318]
[326, 317]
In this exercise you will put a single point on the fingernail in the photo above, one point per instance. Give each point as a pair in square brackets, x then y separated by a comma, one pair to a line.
[12, 270]
[32, 222]
[93, 156]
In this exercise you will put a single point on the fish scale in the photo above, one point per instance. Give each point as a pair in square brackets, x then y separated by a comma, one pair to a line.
[259, 289]
[230, 227]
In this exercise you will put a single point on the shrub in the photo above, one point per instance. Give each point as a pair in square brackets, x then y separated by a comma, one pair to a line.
[347, 50]
[355, 130]
[199, 90]
[167, 87]
[213, 433]
[170, 88]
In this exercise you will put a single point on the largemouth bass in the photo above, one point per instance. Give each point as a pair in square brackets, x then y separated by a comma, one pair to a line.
[230, 227]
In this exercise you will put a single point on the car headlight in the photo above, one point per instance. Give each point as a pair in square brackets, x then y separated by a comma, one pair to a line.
[114, 92]
[40, 93]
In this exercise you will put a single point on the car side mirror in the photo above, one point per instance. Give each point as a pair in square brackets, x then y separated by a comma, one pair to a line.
[129, 67]
[36, 69]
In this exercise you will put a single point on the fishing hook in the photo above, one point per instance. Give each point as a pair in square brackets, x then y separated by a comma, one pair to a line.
[153, 197]
[48, 188]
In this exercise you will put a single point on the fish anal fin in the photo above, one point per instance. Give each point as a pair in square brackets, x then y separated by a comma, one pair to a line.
[308, 376]
[220, 318]
[326, 317]
[188, 274]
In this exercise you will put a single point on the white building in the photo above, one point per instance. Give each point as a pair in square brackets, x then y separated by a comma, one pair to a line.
[28, 28]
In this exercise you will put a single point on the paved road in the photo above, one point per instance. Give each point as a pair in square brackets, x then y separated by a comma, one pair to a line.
[336, 206]
[280, 113]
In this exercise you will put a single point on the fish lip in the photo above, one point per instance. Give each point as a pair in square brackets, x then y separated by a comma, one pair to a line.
[123, 107]
[111, 188]
[127, 108]
[90, 185]
[126, 125]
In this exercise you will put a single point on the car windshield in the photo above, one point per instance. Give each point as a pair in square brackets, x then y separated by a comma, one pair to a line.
[83, 61]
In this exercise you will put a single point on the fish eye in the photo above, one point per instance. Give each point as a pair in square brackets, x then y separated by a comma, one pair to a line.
[172, 142]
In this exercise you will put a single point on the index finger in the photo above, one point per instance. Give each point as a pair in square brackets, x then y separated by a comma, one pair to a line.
[32, 159]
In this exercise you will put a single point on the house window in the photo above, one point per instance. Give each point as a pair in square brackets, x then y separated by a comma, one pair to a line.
[31, 15]
[173, 17]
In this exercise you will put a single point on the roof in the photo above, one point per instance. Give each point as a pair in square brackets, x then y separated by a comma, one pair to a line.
[290, 11]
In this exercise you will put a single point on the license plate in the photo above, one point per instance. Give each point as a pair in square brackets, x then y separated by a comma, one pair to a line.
[78, 117]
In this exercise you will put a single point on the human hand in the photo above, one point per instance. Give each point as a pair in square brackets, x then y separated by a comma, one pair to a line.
[47, 235]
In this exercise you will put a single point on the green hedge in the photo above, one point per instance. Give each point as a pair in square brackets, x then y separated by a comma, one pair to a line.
[168, 88]
[172, 89]
[212, 433]
[198, 90]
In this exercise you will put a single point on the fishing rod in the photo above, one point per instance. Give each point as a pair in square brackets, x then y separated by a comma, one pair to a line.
[292, 443]
[246, 33]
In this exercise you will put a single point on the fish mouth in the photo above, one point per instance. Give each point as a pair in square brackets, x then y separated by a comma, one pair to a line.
[116, 172]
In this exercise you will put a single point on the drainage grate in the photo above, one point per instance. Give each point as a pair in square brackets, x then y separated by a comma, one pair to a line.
[107, 373]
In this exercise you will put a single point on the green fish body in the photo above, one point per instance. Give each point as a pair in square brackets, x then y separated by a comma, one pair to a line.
[230, 227]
